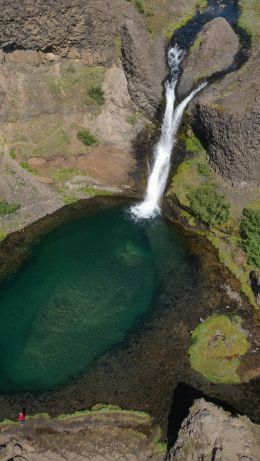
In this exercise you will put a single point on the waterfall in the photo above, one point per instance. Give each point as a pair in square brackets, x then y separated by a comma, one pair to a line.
[157, 180]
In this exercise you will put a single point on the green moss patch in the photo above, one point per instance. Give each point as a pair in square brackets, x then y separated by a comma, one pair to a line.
[217, 345]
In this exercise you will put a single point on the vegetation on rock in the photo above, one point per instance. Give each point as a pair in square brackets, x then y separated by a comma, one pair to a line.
[86, 137]
[13, 154]
[217, 345]
[28, 168]
[250, 232]
[7, 208]
[97, 94]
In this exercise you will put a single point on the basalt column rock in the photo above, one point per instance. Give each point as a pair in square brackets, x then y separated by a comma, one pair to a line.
[58, 27]
[144, 65]
[209, 433]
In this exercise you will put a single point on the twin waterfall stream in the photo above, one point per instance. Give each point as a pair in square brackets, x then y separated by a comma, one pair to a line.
[150, 206]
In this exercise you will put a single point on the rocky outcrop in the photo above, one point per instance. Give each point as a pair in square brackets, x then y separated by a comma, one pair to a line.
[144, 64]
[97, 435]
[232, 141]
[227, 119]
[213, 51]
[58, 27]
[211, 434]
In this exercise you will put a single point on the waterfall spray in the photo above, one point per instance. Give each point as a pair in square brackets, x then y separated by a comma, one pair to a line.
[157, 180]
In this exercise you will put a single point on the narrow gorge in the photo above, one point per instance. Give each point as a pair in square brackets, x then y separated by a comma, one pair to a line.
[130, 230]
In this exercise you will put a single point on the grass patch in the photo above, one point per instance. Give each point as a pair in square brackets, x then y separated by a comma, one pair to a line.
[250, 17]
[97, 94]
[209, 206]
[192, 143]
[56, 143]
[161, 448]
[134, 118]
[69, 199]
[28, 168]
[3, 234]
[250, 232]
[64, 174]
[118, 47]
[192, 172]
[86, 137]
[203, 170]
[94, 191]
[7, 208]
[76, 82]
[176, 24]
[13, 154]
[217, 345]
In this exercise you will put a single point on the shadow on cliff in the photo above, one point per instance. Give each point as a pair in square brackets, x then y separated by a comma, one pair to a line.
[182, 400]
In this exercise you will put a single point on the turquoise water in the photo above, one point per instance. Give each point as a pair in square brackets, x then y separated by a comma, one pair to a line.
[85, 286]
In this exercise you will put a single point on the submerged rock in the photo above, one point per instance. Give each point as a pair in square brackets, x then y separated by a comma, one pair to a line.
[209, 433]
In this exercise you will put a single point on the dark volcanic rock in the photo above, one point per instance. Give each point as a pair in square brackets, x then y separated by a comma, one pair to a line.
[209, 433]
[57, 26]
[232, 141]
[212, 51]
[144, 64]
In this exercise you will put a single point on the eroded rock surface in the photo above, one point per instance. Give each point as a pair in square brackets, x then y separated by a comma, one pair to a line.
[58, 27]
[209, 433]
[144, 64]
[213, 50]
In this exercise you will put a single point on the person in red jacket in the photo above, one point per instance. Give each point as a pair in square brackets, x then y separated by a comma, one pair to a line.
[21, 417]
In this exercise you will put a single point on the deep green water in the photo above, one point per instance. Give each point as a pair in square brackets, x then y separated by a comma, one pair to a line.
[85, 286]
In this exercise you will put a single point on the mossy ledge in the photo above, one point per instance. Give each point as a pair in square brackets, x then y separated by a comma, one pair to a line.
[193, 173]
[96, 410]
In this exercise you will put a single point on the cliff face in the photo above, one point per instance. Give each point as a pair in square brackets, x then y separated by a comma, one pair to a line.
[60, 28]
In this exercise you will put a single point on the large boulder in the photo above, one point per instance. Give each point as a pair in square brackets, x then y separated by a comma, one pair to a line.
[213, 51]
[210, 433]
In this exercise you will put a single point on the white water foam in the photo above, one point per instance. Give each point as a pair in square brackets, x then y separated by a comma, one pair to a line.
[150, 206]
